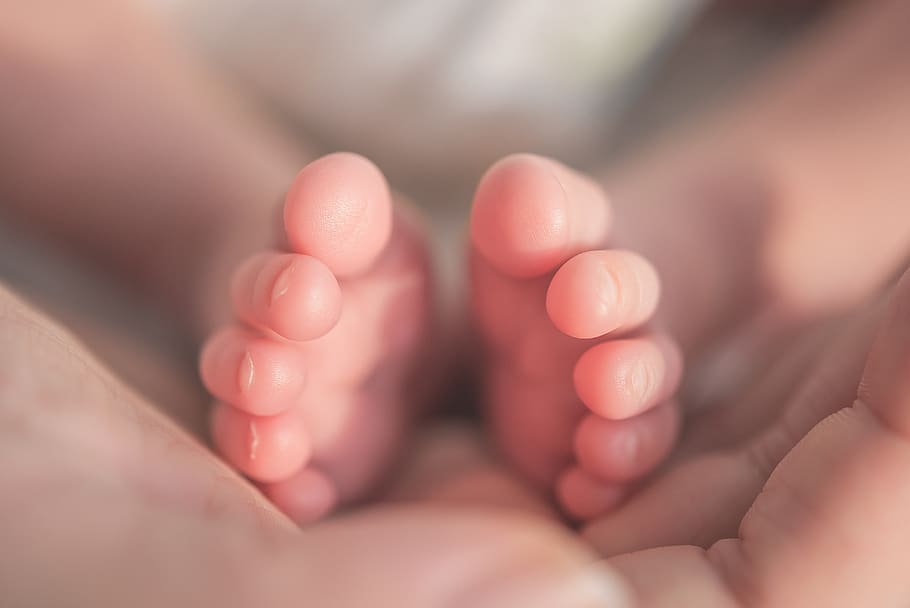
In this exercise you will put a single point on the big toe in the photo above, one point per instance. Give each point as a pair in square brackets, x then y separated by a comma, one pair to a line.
[531, 213]
[339, 210]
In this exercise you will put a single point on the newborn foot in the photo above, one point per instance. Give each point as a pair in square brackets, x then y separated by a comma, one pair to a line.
[579, 385]
[314, 375]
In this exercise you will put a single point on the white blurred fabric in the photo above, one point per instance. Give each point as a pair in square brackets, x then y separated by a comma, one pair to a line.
[437, 88]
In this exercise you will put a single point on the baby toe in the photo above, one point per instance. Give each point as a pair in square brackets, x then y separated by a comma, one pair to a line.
[266, 448]
[339, 210]
[295, 296]
[585, 497]
[253, 373]
[531, 213]
[306, 497]
[599, 292]
[619, 379]
[624, 450]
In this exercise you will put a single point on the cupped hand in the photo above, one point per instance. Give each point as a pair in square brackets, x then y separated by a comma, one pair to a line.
[108, 502]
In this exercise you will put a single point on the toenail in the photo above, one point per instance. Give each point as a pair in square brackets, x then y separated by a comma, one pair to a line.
[254, 440]
[607, 291]
[246, 373]
[638, 381]
[282, 283]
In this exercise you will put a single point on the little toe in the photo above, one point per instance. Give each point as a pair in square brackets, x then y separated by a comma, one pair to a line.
[619, 379]
[339, 210]
[531, 213]
[266, 448]
[599, 292]
[295, 296]
[306, 497]
[253, 373]
[584, 497]
[625, 450]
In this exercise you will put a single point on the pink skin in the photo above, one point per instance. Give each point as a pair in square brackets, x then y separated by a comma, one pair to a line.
[352, 225]
[256, 374]
[307, 496]
[626, 450]
[294, 296]
[601, 292]
[310, 375]
[586, 497]
[622, 378]
[562, 320]
[267, 448]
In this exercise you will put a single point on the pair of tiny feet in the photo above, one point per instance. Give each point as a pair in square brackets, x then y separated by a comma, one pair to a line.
[315, 378]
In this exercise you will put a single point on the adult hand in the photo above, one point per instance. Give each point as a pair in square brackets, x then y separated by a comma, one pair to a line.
[107, 502]
[111, 503]
[813, 507]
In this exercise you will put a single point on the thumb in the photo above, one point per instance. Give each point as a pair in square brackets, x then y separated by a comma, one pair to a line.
[440, 556]
[830, 527]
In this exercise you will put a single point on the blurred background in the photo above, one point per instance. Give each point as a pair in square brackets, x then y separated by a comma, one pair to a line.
[435, 92]
[122, 105]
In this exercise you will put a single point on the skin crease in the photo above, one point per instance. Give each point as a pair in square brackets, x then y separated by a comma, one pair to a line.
[686, 569]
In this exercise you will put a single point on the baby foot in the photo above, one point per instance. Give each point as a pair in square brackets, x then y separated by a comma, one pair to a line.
[313, 376]
[579, 384]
